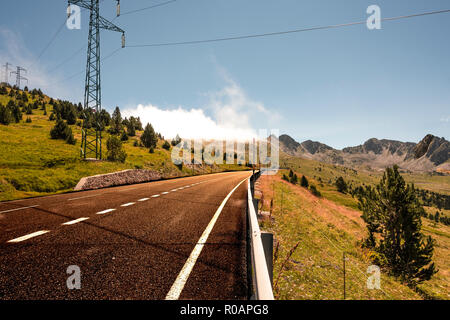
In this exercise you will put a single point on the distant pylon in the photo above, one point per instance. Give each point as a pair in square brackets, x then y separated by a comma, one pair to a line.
[91, 140]
[19, 76]
[6, 71]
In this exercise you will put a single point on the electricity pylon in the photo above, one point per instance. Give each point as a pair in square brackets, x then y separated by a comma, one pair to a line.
[19, 76]
[6, 71]
[91, 140]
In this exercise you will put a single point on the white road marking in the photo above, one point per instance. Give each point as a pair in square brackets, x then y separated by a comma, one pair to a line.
[28, 236]
[128, 204]
[183, 276]
[143, 199]
[173, 190]
[164, 192]
[95, 195]
[105, 211]
[128, 189]
[19, 209]
[73, 221]
[156, 195]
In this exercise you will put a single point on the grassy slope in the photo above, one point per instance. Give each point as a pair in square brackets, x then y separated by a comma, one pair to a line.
[325, 227]
[32, 164]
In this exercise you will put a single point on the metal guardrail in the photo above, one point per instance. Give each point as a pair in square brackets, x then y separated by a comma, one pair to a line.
[261, 284]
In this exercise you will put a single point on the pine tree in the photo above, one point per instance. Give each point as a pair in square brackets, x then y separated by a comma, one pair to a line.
[304, 182]
[71, 116]
[62, 131]
[5, 115]
[176, 141]
[116, 122]
[115, 150]
[341, 185]
[131, 130]
[148, 137]
[392, 211]
[166, 145]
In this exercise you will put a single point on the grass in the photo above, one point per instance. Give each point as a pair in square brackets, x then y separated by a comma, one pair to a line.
[32, 164]
[325, 228]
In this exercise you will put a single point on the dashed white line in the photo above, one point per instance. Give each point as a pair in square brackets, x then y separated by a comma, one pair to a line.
[105, 211]
[173, 190]
[128, 204]
[21, 208]
[143, 199]
[73, 221]
[156, 195]
[183, 276]
[164, 192]
[28, 236]
[95, 195]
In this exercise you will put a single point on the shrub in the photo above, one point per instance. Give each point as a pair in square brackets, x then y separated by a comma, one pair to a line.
[176, 141]
[28, 120]
[314, 191]
[115, 149]
[166, 145]
[62, 131]
[124, 136]
[5, 115]
[341, 185]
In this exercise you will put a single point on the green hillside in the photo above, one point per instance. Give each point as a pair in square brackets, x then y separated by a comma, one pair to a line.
[33, 164]
[323, 228]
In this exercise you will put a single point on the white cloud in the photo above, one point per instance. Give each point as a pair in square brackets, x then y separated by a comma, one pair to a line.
[233, 113]
[191, 123]
[14, 51]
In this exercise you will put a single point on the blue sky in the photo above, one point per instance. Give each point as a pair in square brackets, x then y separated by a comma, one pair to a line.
[339, 86]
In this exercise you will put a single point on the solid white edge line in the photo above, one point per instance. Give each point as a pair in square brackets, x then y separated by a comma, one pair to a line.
[183, 276]
[19, 209]
[105, 211]
[28, 236]
[73, 221]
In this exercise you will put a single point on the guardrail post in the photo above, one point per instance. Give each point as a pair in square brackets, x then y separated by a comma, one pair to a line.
[267, 240]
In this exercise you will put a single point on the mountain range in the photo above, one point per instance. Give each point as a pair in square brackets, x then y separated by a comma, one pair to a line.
[430, 154]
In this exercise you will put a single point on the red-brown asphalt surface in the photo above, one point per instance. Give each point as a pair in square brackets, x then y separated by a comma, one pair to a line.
[134, 252]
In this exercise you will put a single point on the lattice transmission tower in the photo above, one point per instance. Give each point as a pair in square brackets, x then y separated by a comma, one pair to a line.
[19, 76]
[91, 141]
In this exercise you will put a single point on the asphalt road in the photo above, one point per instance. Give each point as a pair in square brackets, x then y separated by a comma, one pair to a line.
[129, 242]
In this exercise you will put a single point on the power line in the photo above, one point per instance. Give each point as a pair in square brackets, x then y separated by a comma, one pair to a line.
[83, 47]
[147, 8]
[53, 39]
[68, 59]
[283, 32]
[109, 55]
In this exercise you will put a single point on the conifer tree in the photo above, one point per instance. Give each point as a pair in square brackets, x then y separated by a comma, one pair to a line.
[148, 137]
[393, 214]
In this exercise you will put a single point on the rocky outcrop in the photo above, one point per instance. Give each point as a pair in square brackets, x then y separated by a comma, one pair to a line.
[117, 179]
[427, 155]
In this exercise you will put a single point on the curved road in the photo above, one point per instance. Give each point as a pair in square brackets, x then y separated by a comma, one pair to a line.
[130, 242]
